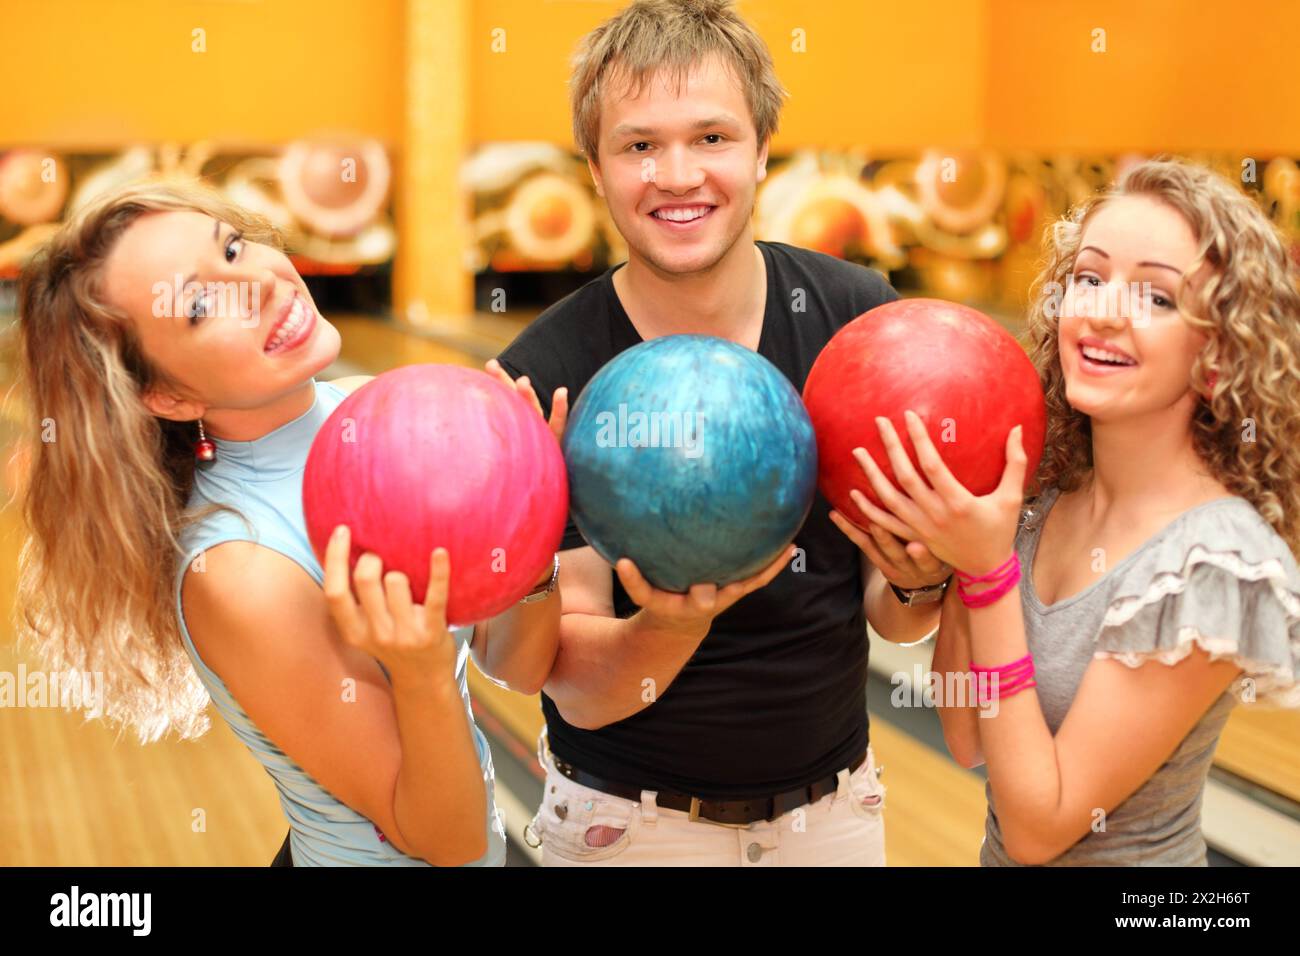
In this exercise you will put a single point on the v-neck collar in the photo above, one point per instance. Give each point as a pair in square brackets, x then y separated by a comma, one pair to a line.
[623, 333]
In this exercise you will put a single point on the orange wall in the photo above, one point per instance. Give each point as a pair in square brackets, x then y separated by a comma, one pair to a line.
[897, 75]
[92, 73]
[1178, 75]
[890, 75]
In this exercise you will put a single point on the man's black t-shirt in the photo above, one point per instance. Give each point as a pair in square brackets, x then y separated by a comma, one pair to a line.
[775, 696]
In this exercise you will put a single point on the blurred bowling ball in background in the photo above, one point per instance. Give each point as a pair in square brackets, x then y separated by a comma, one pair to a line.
[694, 457]
[966, 377]
[428, 456]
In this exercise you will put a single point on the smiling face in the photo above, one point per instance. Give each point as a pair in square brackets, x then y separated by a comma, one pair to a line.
[1125, 349]
[229, 319]
[679, 169]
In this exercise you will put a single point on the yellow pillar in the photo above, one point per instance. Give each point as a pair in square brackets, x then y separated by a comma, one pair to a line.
[431, 286]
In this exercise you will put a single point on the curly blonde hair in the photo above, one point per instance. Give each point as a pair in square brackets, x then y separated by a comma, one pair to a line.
[105, 494]
[1249, 307]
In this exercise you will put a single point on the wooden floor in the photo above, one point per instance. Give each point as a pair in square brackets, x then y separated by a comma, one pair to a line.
[71, 794]
[1263, 746]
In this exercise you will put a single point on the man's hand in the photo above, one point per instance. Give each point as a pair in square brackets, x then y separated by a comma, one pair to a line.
[904, 564]
[559, 400]
[693, 612]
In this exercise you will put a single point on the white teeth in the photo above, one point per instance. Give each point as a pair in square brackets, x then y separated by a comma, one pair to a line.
[1105, 355]
[297, 315]
[681, 215]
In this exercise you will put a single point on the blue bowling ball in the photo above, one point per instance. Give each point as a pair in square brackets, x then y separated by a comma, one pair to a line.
[694, 457]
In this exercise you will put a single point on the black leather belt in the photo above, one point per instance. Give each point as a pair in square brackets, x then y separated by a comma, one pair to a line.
[736, 813]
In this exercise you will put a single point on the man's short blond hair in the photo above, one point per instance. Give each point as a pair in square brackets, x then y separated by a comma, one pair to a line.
[672, 35]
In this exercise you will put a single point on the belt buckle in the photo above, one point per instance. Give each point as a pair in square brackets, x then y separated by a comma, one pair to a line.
[696, 818]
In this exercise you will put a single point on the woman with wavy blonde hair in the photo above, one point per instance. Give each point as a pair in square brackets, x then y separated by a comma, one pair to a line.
[1106, 632]
[168, 352]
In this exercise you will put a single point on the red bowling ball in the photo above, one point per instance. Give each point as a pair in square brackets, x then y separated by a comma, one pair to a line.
[967, 378]
[429, 456]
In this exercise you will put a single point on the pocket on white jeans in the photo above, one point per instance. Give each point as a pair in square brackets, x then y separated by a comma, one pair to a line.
[866, 792]
[584, 825]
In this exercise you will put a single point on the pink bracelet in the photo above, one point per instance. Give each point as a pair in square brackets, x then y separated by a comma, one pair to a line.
[1025, 663]
[984, 699]
[1007, 679]
[1005, 686]
[991, 576]
[1005, 577]
[1015, 686]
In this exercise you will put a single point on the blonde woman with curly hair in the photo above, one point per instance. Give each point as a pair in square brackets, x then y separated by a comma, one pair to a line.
[169, 350]
[1107, 630]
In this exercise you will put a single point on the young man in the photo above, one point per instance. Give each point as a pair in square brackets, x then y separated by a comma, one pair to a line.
[725, 726]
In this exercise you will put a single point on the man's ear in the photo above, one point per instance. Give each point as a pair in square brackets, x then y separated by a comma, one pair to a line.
[164, 404]
[762, 160]
[595, 176]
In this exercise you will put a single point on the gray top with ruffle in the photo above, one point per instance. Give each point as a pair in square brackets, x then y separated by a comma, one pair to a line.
[1218, 577]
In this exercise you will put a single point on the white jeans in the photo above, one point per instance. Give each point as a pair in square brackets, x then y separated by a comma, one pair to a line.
[579, 826]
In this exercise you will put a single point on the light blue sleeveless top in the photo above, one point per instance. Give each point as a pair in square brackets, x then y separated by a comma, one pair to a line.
[263, 480]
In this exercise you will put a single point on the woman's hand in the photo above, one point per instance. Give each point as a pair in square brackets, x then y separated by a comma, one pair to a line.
[559, 401]
[411, 640]
[973, 534]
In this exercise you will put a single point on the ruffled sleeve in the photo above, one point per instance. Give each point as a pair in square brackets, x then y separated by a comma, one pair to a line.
[1223, 580]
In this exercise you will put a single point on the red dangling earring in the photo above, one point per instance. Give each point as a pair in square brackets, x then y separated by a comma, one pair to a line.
[205, 449]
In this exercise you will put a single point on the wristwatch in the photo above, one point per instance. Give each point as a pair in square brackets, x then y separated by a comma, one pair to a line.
[543, 591]
[911, 597]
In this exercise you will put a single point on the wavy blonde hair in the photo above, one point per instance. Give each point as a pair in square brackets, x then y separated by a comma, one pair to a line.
[673, 35]
[1249, 307]
[105, 494]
